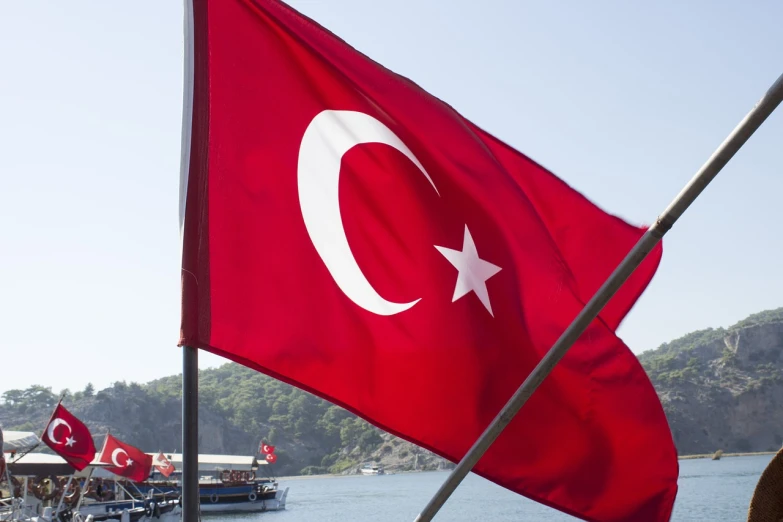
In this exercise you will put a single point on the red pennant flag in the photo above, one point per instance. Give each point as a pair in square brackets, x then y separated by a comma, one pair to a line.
[163, 465]
[69, 438]
[266, 448]
[348, 233]
[125, 460]
[271, 458]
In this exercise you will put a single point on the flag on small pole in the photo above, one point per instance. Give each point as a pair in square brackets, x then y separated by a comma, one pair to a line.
[163, 465]
[125, 460]
[69, 437]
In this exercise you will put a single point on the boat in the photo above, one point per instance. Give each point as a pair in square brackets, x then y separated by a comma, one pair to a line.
[227, 484]
[45, 488]
[371, 469]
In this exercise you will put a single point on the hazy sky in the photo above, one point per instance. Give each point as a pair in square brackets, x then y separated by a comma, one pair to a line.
[624, 100]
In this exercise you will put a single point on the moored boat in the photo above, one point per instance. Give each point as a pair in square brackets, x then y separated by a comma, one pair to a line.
[42, 487]
[371, 469]
[227, 484]
[45, 488]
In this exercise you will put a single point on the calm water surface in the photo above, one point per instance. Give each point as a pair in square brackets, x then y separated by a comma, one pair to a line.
[709, 491]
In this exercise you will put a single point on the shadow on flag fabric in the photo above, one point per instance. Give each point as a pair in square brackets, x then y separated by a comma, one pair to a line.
[125, 460]
[350, 234]
[69, 437]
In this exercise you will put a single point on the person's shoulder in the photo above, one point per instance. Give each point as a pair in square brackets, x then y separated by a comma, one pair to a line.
[766, 505]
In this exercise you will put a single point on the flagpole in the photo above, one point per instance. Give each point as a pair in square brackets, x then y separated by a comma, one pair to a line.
[654, 234]
[190, 492]
[190, 499]
[62, 497]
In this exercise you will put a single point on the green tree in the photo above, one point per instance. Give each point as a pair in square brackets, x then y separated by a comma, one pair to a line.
[13, 397]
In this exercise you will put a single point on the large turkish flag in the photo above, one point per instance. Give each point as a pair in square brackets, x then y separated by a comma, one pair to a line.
[350, 234]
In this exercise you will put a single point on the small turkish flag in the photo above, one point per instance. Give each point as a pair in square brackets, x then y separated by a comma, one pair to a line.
[271, 458]
[163, 464]
[69, 438]
[349, 233]
[266, 448]
[125, 460]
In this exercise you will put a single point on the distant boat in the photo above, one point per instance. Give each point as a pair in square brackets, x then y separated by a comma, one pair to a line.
[717, 455]
[371, 469]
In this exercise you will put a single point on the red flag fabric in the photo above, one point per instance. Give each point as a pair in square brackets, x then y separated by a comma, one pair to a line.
[69, 438]
[125, 460]
[352, 235]
[271, 458]
[266, 448]
[163, 465]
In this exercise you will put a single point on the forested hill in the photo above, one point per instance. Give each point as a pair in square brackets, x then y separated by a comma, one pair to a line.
[721, 389]
[237, 408]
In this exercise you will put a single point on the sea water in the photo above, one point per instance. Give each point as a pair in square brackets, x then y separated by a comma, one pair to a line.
[715, 491]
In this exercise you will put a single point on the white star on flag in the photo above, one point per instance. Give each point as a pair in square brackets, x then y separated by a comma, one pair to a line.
[473, 271]
[70, 441]
[128, 463]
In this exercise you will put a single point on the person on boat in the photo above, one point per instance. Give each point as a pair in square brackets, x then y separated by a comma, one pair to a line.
[766, 505]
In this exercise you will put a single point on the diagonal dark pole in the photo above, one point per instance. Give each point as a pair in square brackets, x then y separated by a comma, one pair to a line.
[688, 195]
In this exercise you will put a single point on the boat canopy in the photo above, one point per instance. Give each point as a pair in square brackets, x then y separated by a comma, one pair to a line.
[16, 441]
[39, 464]
[43, 464]
[218, 462]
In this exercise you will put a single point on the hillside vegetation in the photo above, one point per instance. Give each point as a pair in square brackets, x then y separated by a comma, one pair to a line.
[723, 388]
[720, 388]
[238, 407]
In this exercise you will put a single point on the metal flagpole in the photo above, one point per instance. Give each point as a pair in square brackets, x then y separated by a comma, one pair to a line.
[190, 497]
[62, 497]
[654, 234]
[190, 493]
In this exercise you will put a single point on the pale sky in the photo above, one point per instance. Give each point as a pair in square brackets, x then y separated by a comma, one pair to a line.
[623, 100]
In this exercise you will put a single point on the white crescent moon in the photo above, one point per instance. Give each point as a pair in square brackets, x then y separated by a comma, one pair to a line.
[328, 137]
[50, 431]
[114, 455]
